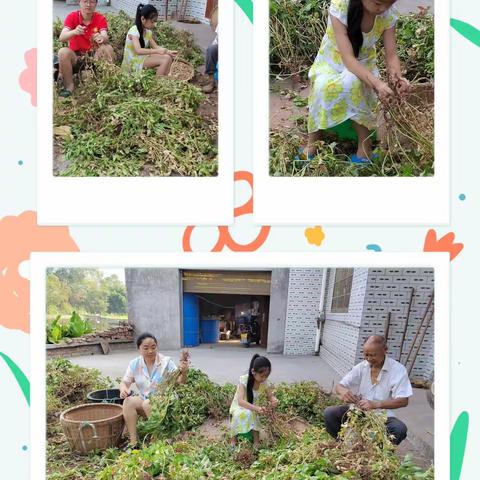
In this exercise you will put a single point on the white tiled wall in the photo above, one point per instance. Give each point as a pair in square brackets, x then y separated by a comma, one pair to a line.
[130, 6]
[302, 310]
[341, 330]
[195, 8]
[389, 290]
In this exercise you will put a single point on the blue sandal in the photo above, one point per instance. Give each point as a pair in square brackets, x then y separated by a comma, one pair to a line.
[305, 158]
[362, 160]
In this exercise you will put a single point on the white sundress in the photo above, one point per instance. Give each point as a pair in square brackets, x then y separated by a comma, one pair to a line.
[336, 93]
[131, 60]
[243, 420]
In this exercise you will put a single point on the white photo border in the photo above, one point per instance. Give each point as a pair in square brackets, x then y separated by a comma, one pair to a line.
[351, 200]
[41, 261]
[135, 200]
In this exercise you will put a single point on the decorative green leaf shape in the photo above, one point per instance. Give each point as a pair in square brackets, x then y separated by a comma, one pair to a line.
[466, 30]
[458, 442]
[247, 7]
[20, 377]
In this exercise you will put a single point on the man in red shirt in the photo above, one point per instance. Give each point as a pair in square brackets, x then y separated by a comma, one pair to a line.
[85, 30]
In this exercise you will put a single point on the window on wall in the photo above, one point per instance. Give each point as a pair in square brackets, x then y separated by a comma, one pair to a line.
[342, 289]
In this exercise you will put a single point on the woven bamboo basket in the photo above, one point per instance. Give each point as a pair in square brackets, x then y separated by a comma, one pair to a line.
[181, 70]
[93, 426]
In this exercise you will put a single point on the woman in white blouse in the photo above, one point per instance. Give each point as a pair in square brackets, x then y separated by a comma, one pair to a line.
[146, 371]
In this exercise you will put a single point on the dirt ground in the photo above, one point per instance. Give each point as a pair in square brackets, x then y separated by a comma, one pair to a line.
[216, 430]
[282, 108]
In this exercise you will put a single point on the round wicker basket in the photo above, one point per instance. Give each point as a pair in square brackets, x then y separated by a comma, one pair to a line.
[93, 426]
[182, 70]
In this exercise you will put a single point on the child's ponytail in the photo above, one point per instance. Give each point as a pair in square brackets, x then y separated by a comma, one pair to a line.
[257, 364]
[149, 12]
[354, 25]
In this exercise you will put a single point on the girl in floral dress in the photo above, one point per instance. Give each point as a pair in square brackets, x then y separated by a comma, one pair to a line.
[345, 81]
[244, 413]
[141, 51]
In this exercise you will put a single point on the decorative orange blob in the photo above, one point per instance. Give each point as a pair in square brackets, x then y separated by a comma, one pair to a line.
[224, 239]
[28, 78]
[19, 236]
[443, 244]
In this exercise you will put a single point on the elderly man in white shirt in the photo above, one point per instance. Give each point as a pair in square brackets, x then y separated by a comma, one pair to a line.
[378, 383]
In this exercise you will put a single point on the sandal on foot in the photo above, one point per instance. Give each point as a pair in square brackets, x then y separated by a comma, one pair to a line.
[363, 160]
[65, 93]
[301, 153]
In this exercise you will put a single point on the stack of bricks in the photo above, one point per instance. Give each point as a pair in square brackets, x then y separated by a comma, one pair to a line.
[122, 332]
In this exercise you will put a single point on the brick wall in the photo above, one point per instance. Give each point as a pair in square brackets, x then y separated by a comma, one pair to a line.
[389, 290]
[302, 310]
[341, 330]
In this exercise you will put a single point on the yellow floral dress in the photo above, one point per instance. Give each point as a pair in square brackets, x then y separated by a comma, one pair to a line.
[243, 420]
[336, 93]
[132, 61]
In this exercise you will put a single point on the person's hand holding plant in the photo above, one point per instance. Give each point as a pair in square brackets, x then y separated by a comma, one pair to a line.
[98, 38]
[350, 397]
[79, 30]
[384, 92]
[401, 84]
[367, 404]
[124, 391]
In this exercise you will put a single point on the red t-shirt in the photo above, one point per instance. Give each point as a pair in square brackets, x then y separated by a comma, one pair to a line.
[82, 43]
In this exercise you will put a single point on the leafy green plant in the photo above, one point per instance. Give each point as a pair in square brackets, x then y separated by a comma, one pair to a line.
[78, 327]
[55, 331]
[131, 125]
[364, 451]
[178, 407]
[74, 328]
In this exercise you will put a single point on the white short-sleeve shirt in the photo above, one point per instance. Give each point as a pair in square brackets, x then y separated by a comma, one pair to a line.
[392, 382]
[147, 382]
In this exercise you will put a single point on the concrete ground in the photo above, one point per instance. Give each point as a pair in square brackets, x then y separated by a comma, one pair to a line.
[226, 361]
[406, 6]
[203, 34]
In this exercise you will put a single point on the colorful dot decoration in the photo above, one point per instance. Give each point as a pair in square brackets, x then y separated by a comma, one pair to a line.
[462, 197]
[20, 162]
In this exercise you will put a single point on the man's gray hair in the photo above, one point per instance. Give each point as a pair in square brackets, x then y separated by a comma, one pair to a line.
[377, 339]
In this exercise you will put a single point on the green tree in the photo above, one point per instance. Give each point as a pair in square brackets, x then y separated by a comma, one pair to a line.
[58, 295]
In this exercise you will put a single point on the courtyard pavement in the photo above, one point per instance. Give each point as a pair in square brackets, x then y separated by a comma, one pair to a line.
[225, 362]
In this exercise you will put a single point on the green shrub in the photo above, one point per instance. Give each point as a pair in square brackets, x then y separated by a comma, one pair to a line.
[74, 328]
[186, 406]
